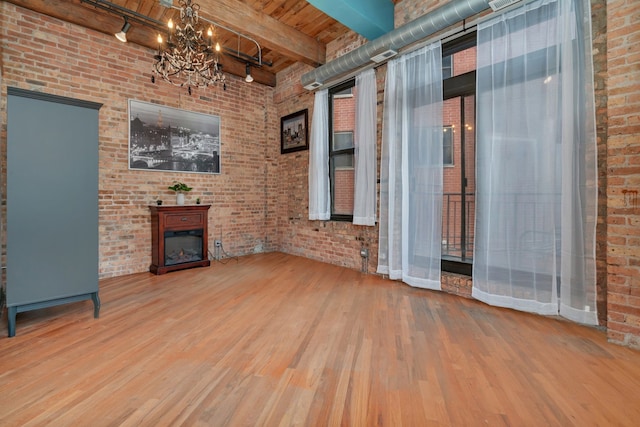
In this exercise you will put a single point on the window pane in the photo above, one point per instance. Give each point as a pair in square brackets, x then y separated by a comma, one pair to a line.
[342, 140]
[463, 62]
[470, 172]
[447, 146]
[344, 92]
[342, 175]
[344, 121]
[458, 206]
[452, 185]
[447, 67]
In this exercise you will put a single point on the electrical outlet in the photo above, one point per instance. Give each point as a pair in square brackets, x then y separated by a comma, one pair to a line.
[218, 243]
[364, 252]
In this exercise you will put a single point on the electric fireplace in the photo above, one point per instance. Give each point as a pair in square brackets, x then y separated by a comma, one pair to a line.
[179, 238]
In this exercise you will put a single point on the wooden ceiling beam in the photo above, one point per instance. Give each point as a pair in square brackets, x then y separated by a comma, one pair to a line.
[268, 31]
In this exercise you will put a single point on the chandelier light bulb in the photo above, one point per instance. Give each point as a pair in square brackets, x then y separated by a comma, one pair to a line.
[170, 24]
[159, 39]
[218, 48]
[210, 32]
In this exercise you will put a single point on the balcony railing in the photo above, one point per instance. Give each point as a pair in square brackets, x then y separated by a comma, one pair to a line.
[457, 241]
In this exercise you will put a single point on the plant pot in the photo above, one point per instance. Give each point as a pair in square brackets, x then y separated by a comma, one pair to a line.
[180, 199]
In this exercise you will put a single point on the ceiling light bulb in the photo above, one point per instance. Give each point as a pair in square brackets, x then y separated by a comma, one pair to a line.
[210, 32]
[170, 24]
[218, 47]
[122, 34]
[159, 39]
[249, 77]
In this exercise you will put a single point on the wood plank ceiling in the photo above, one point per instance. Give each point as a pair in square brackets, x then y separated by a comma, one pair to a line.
[287, 30]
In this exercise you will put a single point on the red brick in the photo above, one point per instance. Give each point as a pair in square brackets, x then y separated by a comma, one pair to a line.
[106, 71]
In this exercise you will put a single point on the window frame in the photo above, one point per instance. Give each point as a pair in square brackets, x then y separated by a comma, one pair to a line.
[453, 87]
[334, 94]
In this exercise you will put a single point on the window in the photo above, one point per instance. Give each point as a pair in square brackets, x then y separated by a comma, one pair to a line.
[447, 67]
[344, 93]
[458, 207]
[342, 115]
[447, 145]
[342, 140]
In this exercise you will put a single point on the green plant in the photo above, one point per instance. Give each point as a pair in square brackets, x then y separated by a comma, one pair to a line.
[180, 187]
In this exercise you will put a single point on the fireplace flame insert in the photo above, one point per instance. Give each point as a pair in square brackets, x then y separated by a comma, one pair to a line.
[182, 246]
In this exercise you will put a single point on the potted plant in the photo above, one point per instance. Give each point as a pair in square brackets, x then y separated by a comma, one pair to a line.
[180, 188]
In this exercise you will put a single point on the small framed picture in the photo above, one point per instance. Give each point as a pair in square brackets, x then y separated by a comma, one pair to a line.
[294, 132]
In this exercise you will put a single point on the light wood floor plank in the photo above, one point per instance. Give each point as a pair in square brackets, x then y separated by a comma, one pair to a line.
[279, 340]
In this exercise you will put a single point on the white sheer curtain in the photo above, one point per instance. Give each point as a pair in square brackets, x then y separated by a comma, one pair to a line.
[364, 208]
[411, 169]
[536, 161]
[319, 196]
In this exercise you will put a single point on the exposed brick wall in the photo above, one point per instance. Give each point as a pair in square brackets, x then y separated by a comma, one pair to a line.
[312, 239]
[328, 241]
[623, 177]
[599, 30]
[260, 201]
[49, 55]
[409, 10]
[344, 44]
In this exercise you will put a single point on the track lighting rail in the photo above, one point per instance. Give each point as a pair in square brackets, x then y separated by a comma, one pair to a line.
[133, 16]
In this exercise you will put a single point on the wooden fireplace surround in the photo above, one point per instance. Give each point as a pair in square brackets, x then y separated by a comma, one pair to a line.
[177, 218]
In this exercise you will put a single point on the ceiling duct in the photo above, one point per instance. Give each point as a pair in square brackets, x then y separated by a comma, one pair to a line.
[419, 29]
[383, 56]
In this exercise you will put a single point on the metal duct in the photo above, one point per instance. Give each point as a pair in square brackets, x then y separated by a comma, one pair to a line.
[434, 21]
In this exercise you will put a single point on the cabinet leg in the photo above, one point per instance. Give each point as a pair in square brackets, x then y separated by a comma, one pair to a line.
[11, 315]
[96, 304]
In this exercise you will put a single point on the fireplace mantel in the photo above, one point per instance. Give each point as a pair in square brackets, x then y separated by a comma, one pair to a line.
[179, 228]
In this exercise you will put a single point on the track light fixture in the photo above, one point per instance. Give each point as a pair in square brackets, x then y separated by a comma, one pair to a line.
[189, 52]
[249, 77]
[122, 35]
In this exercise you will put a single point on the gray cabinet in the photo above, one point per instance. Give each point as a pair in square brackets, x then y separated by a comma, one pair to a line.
[52, 202]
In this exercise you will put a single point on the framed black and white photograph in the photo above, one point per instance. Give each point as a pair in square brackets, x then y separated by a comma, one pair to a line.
[294, 134]
[169, 139]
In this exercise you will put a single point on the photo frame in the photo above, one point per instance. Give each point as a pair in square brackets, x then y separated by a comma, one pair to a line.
[172, 140]
[294, 132]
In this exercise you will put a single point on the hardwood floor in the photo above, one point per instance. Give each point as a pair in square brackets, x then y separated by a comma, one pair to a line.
[275, 339]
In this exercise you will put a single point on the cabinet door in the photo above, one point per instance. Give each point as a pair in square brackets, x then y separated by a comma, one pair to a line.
[52, 198]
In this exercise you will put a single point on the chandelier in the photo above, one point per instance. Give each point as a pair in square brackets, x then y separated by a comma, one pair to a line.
[189, 57]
